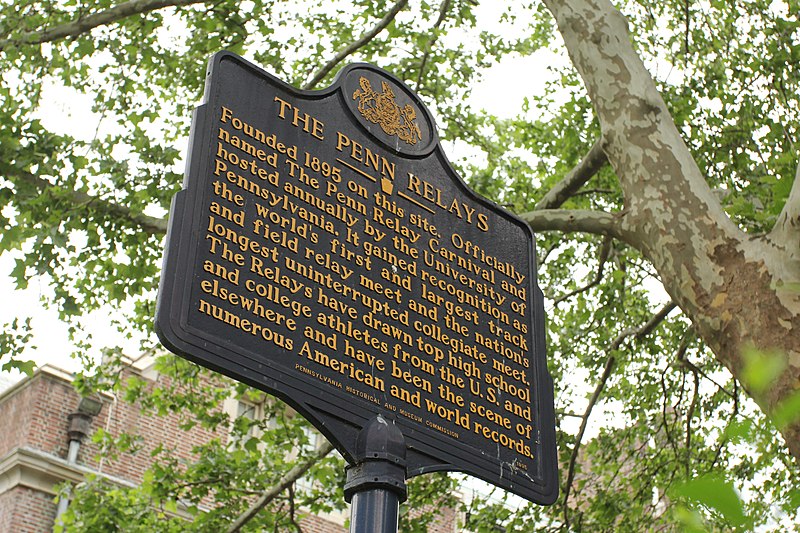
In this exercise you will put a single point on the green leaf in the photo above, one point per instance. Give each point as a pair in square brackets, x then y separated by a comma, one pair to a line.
[691, 521]
[251, 445]
[788, 411]
[761, 368]
[717, 494]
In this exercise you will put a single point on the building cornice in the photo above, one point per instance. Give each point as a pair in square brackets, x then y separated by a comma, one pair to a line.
[26, 381]
[43, 472]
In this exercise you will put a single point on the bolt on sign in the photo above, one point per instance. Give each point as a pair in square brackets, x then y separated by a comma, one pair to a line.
[324, 250]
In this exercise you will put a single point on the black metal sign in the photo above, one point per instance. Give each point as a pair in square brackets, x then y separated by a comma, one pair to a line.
[324, 250]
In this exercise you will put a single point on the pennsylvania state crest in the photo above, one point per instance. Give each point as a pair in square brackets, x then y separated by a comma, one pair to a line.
[381, 109]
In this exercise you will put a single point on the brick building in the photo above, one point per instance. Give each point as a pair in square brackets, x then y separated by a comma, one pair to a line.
[38, 449]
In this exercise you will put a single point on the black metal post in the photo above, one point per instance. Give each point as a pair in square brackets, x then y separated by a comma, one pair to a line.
[376, 483]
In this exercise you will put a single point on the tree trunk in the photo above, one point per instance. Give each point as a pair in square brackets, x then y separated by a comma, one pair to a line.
[739, 290]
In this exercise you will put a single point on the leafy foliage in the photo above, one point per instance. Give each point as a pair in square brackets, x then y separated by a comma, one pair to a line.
[671, 440]
[15, 338]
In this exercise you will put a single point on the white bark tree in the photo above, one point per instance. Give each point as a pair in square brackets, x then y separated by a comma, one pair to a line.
[739, 290]
[85, 216]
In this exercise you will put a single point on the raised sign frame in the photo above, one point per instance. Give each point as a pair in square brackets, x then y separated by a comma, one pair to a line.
[345, 125]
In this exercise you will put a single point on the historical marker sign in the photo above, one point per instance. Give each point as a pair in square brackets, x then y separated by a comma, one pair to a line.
[324, 250]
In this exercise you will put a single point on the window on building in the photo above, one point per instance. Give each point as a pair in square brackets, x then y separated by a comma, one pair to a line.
[245, 415]
[313, 441]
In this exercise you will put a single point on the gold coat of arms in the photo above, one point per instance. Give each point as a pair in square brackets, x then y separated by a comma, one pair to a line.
[381, 109]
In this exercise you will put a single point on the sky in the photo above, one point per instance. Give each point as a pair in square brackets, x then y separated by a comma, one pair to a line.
[52, 341]
[51, 344]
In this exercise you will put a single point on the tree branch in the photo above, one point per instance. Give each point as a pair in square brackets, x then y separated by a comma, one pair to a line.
[586, 221]
[605, 251]
[672, 216]
[683, 361]
[443, 7]
[611, 360]
[723, 438]
[103, 18]
[151, 225]
[786, 232]
[640, 138]
[637, 333]
[285, 482]
[355, 45]
[586, 192]
[592, 162]
[689, 416]
[292, 510]
[665, 423]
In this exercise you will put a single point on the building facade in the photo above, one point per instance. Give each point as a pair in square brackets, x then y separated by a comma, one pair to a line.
[45, 442]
